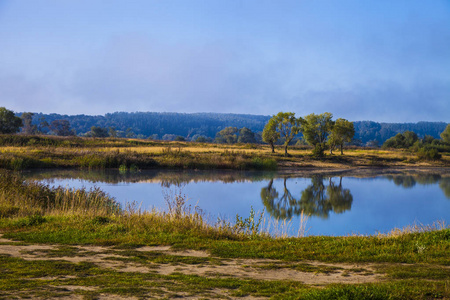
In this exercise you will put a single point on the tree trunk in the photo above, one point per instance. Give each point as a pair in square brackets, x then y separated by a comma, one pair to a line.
[342, 152]
[273, 147]
[285, 150]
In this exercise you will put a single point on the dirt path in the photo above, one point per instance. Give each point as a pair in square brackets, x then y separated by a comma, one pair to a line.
[307, 272]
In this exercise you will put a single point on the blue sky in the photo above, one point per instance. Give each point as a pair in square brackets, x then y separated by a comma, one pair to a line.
[380, 60]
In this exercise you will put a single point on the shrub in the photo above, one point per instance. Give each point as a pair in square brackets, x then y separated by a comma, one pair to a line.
[428, 154]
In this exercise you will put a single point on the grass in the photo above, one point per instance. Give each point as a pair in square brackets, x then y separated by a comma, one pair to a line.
[20, 152]
[414, 261]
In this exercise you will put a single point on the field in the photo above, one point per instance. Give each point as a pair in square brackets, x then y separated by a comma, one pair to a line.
[66, 243]
[24, 152]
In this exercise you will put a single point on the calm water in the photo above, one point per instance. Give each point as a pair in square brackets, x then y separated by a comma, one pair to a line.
[337, 205]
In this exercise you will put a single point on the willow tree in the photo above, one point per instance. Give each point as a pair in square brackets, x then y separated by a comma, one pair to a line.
[315, 129]
[288, 126]
[270, 134]
[342, 132]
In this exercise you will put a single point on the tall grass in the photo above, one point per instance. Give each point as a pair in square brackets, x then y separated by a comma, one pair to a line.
[35, 201]
[30, 157]
[416, 227]
[19, 198]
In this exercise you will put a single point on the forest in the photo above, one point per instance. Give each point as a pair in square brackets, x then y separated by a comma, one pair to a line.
[169, 126]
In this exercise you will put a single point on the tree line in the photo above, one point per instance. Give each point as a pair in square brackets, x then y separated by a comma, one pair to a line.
[204, 127]
[427, 147]
[318, 130]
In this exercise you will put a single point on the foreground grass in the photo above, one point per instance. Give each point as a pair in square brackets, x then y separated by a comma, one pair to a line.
[415, 263]
[25, 152]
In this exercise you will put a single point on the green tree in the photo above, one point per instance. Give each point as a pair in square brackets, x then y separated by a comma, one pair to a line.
[287, 126]
[129, 133]
[270, 134]
[246, 136]
[28, 127]
[445, 135]
[43, 124]
[112, 132]
[227, 135]
[342, 132]
[99, 131]
[9, 123]
[401, 140]
[61, 128]
[201, 139]
[315, 129]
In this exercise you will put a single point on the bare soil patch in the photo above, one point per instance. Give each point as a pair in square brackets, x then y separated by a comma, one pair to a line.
[316, 273]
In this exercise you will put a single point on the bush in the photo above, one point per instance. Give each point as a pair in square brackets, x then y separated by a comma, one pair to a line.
[319, 150]
[428, 154]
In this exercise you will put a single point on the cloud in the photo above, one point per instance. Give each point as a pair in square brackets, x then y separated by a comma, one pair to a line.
[377, 61]
[135, 72]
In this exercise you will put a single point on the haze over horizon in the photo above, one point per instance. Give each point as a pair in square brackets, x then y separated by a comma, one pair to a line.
[386, 61]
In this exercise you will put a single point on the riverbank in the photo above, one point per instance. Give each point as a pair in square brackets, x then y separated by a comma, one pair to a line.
[79, 244]
[31, 152]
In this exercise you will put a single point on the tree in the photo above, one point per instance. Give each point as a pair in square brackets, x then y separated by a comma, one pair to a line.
[129, 133]
[61, 128]
[343, 131]
[227, 135]
[99, 131]
[445, 135]
[28, 127]
[401, 140]
[112, 132]
[270, 134]
[315, 129]
[9, 123]
[43, 124]
[288, 126]
[246, 136]
[201, 139]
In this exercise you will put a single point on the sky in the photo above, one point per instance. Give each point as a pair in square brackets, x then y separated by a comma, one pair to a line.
[380, 60]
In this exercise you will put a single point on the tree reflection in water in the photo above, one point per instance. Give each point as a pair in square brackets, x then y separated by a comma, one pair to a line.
[444, 184]
[423, 179]
[316, 200]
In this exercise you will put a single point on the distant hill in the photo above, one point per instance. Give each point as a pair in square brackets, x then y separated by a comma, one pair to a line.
[156, 125]
[366, 131]
[152, 123]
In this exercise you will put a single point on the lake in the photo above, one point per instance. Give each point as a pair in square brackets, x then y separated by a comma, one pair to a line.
[336, 203]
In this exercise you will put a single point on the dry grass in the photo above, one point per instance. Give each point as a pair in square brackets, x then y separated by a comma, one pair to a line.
[105, 153]
[417, 227]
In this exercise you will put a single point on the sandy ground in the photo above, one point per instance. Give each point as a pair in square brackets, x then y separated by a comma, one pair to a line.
[260, 269]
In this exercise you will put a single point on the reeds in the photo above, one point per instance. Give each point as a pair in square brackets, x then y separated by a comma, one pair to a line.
[34, 200]
[416, 227]
[19, 198]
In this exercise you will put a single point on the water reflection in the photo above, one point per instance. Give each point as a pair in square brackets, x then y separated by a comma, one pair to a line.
[318, 199]
[166, 178]
[444, 184]
[408, 181]
[338, 203]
